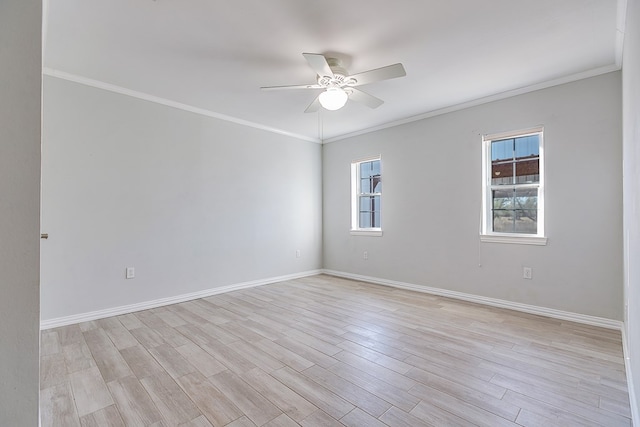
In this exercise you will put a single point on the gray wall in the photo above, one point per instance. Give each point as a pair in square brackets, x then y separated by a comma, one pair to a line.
[192, 202]
[432, 195]
[631, 150]
[20, 67]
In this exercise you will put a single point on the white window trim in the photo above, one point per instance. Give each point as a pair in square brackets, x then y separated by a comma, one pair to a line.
[355, 192]
[371, 232]
[488, 236]
[523, 239]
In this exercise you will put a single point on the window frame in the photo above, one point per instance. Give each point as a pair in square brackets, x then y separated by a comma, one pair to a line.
[486, 233]
[356, 193]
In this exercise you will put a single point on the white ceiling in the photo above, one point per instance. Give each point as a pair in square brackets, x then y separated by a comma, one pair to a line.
[214, 55]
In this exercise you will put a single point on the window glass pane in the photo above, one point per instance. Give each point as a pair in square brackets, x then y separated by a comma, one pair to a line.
[370, 177]
[526, 214]
[369, 212]
[502, 199]
[368, 169]
[502, 211]
[526, 198]
[515, 210]
[528, 171]
[503, 221]
[527, 146]
[514, 162]
[365, 219]
[526, 221]
[365, 170]
[375, 167]
[501, 173]
[377, 184]
[502, 149]
[366, 185]
[367, 203]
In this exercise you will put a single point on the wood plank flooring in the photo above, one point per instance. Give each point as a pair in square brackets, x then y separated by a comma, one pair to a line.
[324, 351]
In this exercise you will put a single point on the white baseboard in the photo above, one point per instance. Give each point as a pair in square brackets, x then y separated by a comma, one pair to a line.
[531, 309]
[526, 308]
[125, 309]
[494, 302]
[635, 411]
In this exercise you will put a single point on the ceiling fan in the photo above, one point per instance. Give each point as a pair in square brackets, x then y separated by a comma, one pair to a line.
[339, 85]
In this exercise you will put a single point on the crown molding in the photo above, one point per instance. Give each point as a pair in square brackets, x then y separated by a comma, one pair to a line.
[475, 102]
[51, 72]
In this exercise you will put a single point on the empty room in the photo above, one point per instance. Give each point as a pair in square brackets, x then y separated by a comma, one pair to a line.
[289, 213]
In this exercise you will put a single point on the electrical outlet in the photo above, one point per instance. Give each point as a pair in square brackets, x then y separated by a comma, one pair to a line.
[365, 255]
[297, 253]
[527, 273]
[130, 273]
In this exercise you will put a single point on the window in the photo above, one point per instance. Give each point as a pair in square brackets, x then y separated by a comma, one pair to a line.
[513, 190]
[366, 193]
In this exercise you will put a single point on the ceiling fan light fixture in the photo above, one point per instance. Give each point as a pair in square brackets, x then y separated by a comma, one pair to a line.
[333, 98]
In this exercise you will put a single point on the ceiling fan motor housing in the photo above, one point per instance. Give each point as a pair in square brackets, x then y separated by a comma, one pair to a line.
[339, 78]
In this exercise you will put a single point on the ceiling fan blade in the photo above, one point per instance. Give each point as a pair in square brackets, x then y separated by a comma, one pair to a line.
[364, 98]
[319, 64]
[314, 86]
[314, 106]
[384, 73]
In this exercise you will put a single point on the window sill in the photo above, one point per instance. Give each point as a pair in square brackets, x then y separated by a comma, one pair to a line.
[370, 233]
[518, 240]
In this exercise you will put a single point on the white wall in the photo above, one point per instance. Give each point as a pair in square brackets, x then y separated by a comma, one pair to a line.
[20, 66]
[631, 151]
[192, 202]
[432, 193]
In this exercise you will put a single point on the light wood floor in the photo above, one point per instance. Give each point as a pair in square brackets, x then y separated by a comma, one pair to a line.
[324, 351]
